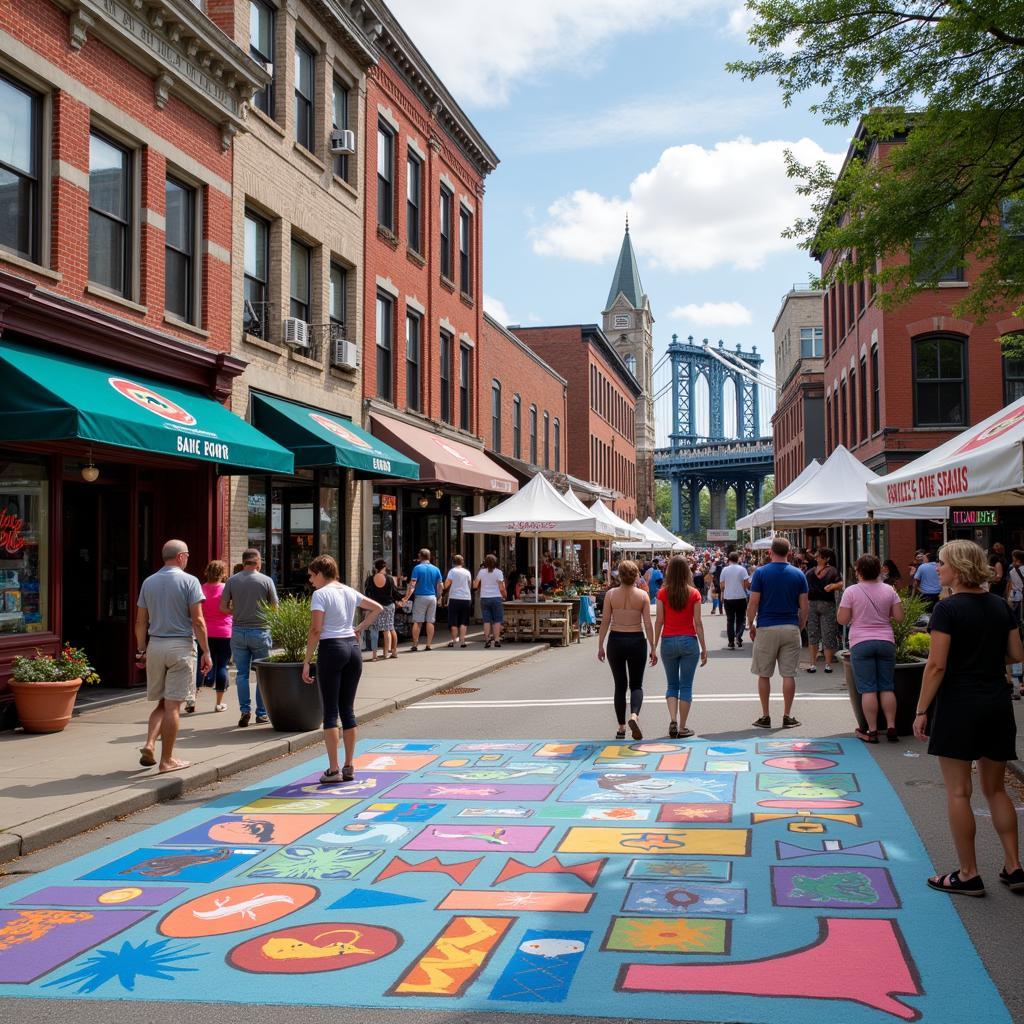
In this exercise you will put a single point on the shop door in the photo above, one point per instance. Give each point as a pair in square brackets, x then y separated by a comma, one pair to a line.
[424, 530]
[299, 537]
[97, 605]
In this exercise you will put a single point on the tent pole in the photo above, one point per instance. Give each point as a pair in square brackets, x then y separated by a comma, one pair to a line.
[871, 531]
[536, 567]
[945, 532]
[842, 526]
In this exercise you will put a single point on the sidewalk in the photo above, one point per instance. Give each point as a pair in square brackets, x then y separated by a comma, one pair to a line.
[56, 786]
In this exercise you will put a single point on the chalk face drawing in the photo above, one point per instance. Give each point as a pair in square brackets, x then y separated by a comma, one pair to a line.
[542, 968]
[235, 909]
[807, 787]
[314, 948]
[316, 862]
[251, 829]
[640, 787]
[684, 898]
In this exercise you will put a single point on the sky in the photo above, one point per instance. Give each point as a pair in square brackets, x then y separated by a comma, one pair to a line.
[596, 115]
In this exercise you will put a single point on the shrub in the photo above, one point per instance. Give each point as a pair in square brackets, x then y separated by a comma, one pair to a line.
[914, 606]
[289, 626]
[918, 645]
[69, 663]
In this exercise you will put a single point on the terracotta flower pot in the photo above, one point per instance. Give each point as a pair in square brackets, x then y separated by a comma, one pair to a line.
[45, 707]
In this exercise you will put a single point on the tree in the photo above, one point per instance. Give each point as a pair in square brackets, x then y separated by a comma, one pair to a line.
[945, 78]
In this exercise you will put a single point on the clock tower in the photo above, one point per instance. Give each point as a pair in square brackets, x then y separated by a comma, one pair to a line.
[628, 325]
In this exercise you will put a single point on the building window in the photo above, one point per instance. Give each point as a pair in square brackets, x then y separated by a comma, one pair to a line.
[547, 440]
[517, 427]
[836, 440]
[446, 376]
[385, 346]
[24, 545]
[464, 382]
[20, 135]
[385, 177]
[495, 416]
[447, 201]
[876, 392]
[631, 363]
[110, 215]
[951, 269]
[257, 260]
[533, 435]
[180, 250]
[558, 446]
[414, 203]
[862, 398]
[851, 430]
[305, 79]
[465, 251]
[339, 112]
[413, 334]
[812, 342]
[1013, 379]
[337, 298]
[261, 49]
[843, 423]
[298, 295]
[940, 393]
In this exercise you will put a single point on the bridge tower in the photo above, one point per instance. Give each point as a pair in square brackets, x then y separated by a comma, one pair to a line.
[730, 456]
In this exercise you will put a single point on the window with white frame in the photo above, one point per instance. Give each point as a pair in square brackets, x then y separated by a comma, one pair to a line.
[20, 154]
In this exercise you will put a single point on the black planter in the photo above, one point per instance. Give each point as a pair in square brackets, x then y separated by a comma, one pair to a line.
[908, 690]
[293, 706]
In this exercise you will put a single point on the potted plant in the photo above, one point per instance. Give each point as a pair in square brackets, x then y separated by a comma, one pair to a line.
[45, 687]
[293, 705]
[912, 646]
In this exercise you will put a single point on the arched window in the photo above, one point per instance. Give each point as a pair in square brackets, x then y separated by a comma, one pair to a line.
[533, 435]
[547, 440]
[940, 391]
[631, 363]
[517, 427]
[496, 415]
[558, 446]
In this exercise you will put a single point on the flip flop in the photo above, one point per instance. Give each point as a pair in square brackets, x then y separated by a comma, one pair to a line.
[176, 767]
[146, 757]
[974, 887]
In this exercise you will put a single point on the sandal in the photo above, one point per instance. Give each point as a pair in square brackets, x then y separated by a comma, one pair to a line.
[685, 734]
[892, 735]
[451, 643]
[673, 731]
[348, 773]
[811, 668]
[866, 736]
[955, 887]
[1013, 880]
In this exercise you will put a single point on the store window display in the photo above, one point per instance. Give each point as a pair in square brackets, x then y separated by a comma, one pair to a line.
[24, 547]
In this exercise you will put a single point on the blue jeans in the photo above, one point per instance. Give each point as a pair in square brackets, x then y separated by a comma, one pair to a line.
[680, 655]
[248, 645]
[874, 666]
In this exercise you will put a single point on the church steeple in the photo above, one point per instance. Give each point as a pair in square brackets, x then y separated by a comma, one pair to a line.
[627, 275]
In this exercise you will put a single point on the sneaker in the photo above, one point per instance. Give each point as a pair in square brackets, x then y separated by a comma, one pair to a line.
[788, 722]
[764, 722]
[220, 707]
[811, 668]
[262, 720]
[243, 720]
[739, 643]
[732, 647]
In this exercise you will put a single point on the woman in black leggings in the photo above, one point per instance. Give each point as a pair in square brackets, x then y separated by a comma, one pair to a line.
[627, 615]
[339, 660]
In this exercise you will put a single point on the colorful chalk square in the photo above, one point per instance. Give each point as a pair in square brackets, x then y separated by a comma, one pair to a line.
[833, 888]
[671, 870]
[722, 765]
[500, 773]
[713, 813]
[236, 909]
[195, 864]
[613, 786]
[314, 948]
[495, 812]
[800, 763]
[517, 792]
[684, 898]
[480, 838]
[363, 833]
[520, 901]
[720, 751]
[382, 761]
[806, 787]
[830, 848]
[367, 899]
[250, 829]
[565, 751]
[315, 863]
[33, 942]
[314, 805]
[406, 748]
[542, 968]
[673, 762]
[489, 746]
[101, 896]
[361, 787]
[621, 753]
[575, 812]
[400, 812]
[798, 747]
[667, 935]
[721, 842]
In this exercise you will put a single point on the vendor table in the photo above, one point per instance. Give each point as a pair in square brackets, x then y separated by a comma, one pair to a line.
[540, 620]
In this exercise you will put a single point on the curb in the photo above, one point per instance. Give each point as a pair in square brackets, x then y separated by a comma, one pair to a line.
[55, 828]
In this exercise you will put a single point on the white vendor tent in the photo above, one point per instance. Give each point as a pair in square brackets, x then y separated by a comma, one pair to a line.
[762, 544]
[763, 516]
[651, 541]
[623, 529]
[984, 463]
[679, 545]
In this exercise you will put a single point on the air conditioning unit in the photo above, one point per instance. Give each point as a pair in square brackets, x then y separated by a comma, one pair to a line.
[295, 332]
[343, 141]
[344, 354]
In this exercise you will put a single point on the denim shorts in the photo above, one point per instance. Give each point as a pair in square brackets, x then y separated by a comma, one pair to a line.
[492, 609]
[874, 666]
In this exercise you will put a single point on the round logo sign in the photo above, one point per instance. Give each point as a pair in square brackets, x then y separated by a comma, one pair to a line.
[313, 948]
[997, 429]
[453, 452]
[152, 401]
[340, 430]
[236, 909]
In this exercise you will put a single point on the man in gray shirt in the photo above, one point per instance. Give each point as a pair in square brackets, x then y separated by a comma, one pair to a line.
[250, 639]
[168, 622]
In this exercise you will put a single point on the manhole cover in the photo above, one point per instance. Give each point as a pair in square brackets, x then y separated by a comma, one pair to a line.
[459, 689]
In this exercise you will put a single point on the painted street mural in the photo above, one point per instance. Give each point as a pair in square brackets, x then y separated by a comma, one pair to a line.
[661, 880]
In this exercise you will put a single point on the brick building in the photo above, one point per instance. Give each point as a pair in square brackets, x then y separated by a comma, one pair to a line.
[798, 425]
[424, 165]
[900, 382]
[115, 285]
[601, 408]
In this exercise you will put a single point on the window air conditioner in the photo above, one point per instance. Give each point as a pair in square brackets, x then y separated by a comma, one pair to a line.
[295, 332]
[343, 141]
[344, 354]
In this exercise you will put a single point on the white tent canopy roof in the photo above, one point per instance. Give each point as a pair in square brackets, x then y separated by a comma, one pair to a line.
[678, 544]
[763, 516]
[538, 510]
[837, 493]
[622, 529]
[983, 463]
[651, 541]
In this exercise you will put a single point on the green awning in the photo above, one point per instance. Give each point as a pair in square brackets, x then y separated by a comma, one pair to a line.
[52, 398]
[320, 438]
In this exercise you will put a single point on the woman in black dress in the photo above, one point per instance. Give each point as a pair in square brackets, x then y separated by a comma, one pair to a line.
[965, 711]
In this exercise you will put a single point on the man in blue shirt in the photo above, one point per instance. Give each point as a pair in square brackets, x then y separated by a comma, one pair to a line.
[424, 589]
[926, 580]
[776, 612]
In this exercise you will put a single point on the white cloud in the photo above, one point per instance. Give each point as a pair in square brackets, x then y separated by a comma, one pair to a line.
[714, 314]
[482, 47]
[695, 209]
[740, 21]
[497, 309]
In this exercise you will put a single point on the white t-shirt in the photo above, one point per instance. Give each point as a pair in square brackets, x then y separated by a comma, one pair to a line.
[490, 582]
[338, 603]
[461, 584]
[734, 576]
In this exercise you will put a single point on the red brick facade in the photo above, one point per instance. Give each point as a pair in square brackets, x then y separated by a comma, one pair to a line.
[602, 407]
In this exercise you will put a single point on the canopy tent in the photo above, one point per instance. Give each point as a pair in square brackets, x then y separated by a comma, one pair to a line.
[679, 545]
[651, 541]
[983, 463]
[762, 544]
[763, 516]
[623, 529]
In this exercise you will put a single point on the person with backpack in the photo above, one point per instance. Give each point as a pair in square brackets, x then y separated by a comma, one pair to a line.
[654, 578]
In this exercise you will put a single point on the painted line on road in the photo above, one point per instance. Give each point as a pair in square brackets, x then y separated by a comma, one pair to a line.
[600, 701]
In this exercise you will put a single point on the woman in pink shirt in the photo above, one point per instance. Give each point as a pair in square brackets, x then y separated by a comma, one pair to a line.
[218, 629]
[868, 608]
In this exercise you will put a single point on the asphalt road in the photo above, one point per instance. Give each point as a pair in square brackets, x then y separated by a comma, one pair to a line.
[566, 694]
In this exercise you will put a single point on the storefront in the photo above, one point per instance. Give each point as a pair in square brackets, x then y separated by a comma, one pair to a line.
[98, 467]
[452, 474]
[292, 519]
